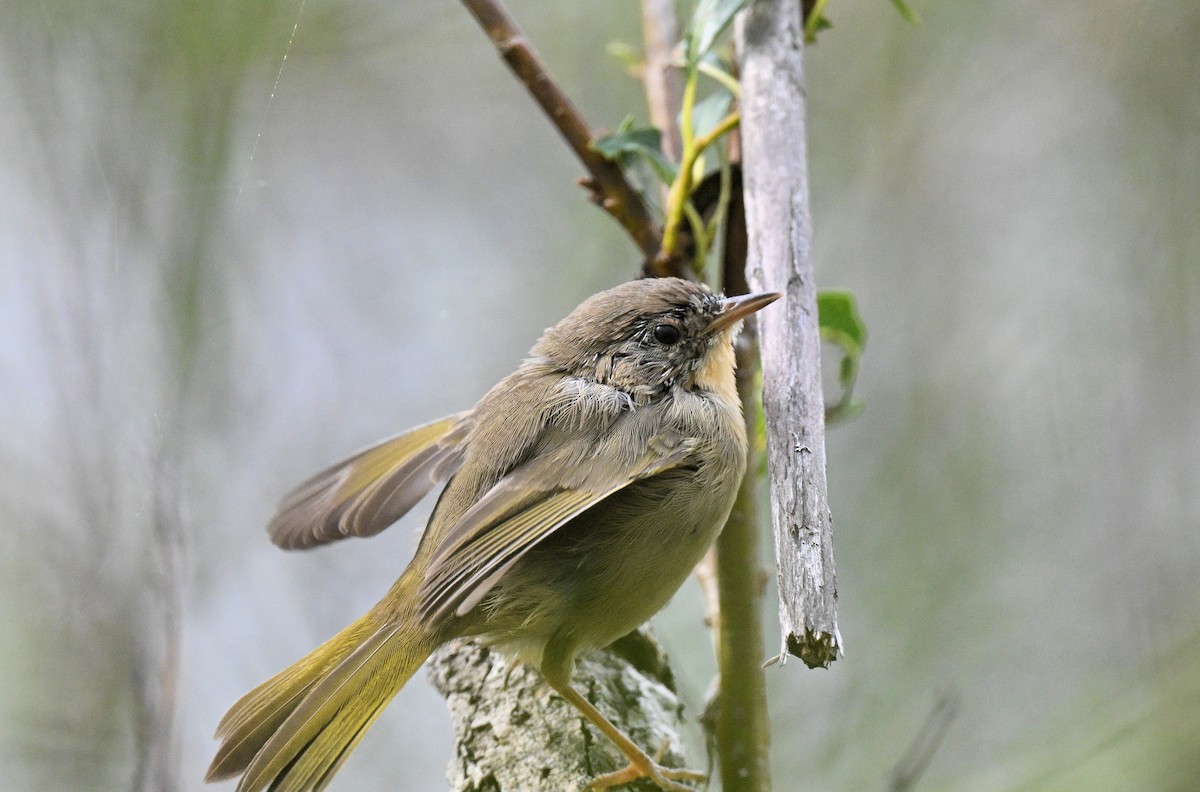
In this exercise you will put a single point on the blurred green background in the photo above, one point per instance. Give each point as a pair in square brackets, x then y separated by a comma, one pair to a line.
[221, 269]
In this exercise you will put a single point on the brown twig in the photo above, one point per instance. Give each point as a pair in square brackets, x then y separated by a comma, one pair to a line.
[607, 183]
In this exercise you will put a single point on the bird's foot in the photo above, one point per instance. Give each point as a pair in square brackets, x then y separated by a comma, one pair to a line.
[665, 777]
[644, 767]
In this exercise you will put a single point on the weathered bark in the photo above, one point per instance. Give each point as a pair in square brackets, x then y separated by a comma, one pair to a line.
[780, 259]
[514, 734]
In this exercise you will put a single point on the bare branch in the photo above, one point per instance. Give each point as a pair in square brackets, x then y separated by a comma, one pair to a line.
[607, 183]
[780, 259]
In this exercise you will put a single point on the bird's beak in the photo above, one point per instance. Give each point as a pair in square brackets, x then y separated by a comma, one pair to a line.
[734, 309]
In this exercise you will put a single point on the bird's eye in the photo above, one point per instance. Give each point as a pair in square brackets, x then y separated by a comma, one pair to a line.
[666, 334]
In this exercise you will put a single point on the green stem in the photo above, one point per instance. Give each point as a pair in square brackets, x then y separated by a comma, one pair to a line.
[689, 104]
[723, 126]
[681, 188]
[743, 737]
[726, 79]
[693, 147]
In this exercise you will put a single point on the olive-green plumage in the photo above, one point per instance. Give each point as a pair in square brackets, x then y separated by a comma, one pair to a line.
[582, 489]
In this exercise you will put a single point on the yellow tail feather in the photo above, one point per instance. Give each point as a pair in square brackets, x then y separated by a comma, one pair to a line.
[293, 732]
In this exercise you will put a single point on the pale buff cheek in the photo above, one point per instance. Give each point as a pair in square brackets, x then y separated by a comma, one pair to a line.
[716, 371]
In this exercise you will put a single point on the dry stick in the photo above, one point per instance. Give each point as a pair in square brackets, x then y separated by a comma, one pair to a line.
[780, 259]
[608, 184]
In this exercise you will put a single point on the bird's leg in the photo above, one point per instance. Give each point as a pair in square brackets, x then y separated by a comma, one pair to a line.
[640, 763]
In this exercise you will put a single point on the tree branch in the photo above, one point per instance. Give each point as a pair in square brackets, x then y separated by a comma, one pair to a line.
[607, 184]
[780, 259]
[514, 734]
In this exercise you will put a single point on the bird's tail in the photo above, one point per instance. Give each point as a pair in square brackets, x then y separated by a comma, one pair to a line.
[293, 731]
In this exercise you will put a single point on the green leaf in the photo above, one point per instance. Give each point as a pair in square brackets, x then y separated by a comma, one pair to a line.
[709, 22]
[837, 313]
[816, 25]
[631, 142]
[841, 324]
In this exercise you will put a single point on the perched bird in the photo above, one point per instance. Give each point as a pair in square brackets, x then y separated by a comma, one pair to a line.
[582, 490]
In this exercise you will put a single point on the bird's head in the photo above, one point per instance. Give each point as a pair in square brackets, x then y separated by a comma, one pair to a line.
[650, 336]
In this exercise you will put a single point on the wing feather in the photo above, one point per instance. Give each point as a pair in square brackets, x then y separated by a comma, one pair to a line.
[370, 490]
[514, 516]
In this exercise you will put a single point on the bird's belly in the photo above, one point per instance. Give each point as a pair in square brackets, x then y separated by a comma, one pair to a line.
[611, 569]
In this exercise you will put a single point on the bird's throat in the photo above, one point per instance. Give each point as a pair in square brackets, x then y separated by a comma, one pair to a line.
[715, 373]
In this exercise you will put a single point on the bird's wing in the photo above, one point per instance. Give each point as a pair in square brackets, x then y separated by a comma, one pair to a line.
[367, 492]
[522, 509]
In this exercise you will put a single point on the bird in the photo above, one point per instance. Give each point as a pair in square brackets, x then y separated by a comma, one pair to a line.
[580, 492]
